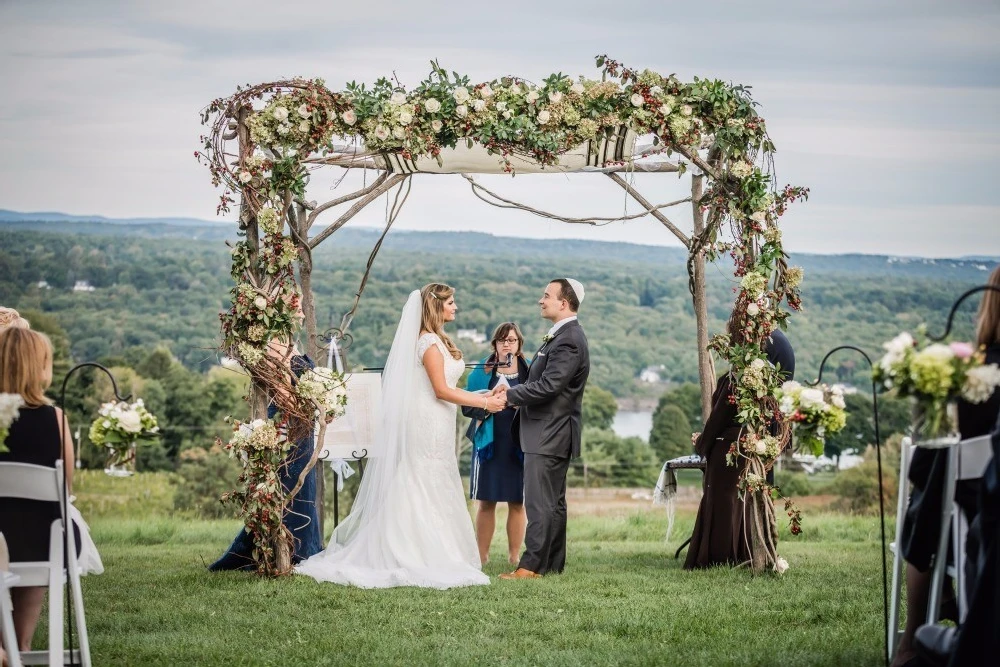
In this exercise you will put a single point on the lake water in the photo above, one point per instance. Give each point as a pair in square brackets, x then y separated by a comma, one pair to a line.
[633, 424]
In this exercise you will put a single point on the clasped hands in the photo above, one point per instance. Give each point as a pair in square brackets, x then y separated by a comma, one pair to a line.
[496, 400]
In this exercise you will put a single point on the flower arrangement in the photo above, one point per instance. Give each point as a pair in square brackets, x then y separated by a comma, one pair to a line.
[119, 426]
[815, 412]
[934, 375]
[10, 405]
[262, 447]
[326, 388]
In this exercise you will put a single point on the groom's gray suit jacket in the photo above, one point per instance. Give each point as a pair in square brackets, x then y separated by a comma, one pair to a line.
[549, 419]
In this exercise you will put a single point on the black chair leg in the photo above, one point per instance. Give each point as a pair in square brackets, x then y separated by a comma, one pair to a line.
[681, 548]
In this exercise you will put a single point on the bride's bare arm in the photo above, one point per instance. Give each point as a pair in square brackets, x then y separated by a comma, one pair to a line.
[434, 366]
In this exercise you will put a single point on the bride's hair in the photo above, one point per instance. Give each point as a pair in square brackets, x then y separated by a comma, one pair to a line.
[433, 297]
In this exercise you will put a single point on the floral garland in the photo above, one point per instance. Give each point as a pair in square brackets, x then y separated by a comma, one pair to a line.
[289, 121]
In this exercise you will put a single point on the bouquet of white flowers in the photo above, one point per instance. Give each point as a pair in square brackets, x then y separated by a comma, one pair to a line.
[119, 427]
[326, 387]
[815, 412]
[934, 375]
[9, 406]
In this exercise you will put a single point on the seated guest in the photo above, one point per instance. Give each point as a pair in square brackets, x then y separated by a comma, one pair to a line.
[38, 436]
[497, 463]
[922, 524]
[720, 536]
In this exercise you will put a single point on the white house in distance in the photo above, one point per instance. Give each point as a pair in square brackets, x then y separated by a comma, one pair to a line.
[83, 286]
[652, 374]
[43, 284]
[473, 335]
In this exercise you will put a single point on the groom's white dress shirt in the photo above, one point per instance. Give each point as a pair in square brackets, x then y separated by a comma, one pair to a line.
[558, 325]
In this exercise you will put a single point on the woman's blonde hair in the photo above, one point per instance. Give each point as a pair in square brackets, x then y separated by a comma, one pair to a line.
[433, 297]
[25, 365]
[11, 318]
[988, 319]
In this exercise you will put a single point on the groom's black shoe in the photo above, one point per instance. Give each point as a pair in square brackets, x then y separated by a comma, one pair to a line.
[934, 643]
[520, 573]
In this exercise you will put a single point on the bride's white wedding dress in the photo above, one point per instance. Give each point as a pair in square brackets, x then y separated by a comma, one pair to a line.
[410, 525]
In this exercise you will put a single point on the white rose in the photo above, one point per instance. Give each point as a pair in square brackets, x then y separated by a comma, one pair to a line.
[130, 422]
[761, 447]
[515, 89]
[280, 114]
[260, 302]
[508, 114]
[461, 94]
[577, 88]
[655, 90]
[398, 132]
[759, 216]
[432, 105]
[397, 98]
[501, 106]
[532, 96]
[757, 364]
[478, 105]
[405, 117]
[687, 110]
[555, 97]
[304, 126]
[381, 132]
[937, 351]
[245, 176]
[461, 111]
[780, 565]
[753, 309]
[636, 100]
[665, 109]
[543, 116]
[486, 92]
[349, 117]
[811, 398]
[790, 387]
[838, 401]
[303, 110]
[436, 125]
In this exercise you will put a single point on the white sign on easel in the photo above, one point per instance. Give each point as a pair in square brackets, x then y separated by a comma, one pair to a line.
[353, 434]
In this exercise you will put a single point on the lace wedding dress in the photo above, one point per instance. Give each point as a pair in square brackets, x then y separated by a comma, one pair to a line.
[409, 525]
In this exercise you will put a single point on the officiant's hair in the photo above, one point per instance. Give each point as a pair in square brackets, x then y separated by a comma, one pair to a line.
[433, 296]
[567, 292]
[26, 363]
[988, 318]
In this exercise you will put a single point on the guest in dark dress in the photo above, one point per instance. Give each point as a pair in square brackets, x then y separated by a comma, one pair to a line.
[301, 516]
[497, 463]
[720, 536]
[35, 438]
[922, 524]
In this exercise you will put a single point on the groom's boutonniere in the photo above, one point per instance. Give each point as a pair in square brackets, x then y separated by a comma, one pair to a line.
[547, 337]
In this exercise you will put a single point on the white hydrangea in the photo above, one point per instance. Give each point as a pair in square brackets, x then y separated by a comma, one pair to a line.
[811, 398]
[980, 383]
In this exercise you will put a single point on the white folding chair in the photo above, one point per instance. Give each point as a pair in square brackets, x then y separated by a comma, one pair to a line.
[7, 580]
[41, 483]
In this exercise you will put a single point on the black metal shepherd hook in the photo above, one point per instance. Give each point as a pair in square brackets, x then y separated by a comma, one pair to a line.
[68, 531]
[954, 309]
[881, 489]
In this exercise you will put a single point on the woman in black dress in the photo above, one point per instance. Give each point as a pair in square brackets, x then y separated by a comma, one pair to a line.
[497, 463]
[35, 438]
[719, 536]
[922, 524]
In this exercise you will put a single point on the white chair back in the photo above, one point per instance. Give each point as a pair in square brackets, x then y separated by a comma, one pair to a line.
[32, 482]
[973, 456]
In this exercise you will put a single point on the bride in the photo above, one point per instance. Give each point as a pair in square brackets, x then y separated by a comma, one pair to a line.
[409, 525]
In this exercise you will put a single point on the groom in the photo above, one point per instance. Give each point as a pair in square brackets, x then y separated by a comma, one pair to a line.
[548, 426]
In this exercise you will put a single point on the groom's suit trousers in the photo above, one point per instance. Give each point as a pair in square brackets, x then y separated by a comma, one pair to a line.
[545, 506]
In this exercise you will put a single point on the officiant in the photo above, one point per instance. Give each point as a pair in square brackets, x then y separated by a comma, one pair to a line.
[497, 463]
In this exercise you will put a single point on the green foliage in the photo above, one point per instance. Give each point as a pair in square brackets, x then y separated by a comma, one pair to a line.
[687, 397]
[599, 407]
[858, 487]
[615, 461]
[859, 432]
[205, 475]
[670, 436]
[793, 484]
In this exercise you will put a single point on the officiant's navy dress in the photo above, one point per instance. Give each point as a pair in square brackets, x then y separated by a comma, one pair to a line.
[301, 517]
[497, 473]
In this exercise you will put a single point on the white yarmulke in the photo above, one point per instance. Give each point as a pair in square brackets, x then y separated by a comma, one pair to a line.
[577, 287]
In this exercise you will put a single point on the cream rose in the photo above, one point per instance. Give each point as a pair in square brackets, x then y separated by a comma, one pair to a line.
[398, 132]
[436, 125]
[405, 117]
[532, 96]
[130, 422]
[753, 309]
[304, 126]
[544, 116]
[461, 94]
[381, 132]
[665, 109]
[461, 111]
[486, 92]
[397, 98]
[636, 100]
[303, 110]
[280, 114]
[555, 97]
[479, 105]
[432, 105]
[245, 176]
[260, 302]
[349, 117]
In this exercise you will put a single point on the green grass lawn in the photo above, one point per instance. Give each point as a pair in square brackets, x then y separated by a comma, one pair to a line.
[623, 600]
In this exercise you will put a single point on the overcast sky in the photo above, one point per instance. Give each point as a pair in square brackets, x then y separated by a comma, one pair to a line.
[887, 110]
